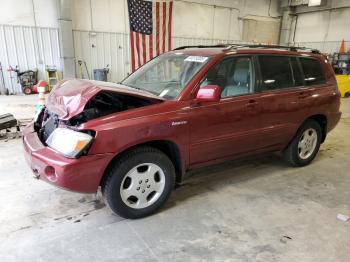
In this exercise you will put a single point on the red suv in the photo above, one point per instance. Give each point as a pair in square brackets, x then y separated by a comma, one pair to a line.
[191, 107]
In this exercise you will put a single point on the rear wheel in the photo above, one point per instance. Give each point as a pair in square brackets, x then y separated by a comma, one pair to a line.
[305, 145]
[139, 182]
[347, 94]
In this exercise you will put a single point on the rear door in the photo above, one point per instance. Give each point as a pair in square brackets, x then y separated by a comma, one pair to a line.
[221, 130]
[282, 90]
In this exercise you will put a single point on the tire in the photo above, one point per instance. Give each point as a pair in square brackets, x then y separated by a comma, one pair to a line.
[27, 90]
[139, 182]
[302, 154]
[347, 94]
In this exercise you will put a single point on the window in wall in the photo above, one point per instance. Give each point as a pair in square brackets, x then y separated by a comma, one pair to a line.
[276, 72]
[313, 73]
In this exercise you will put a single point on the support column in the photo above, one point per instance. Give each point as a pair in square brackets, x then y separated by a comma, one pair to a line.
[65, 29]
[286, 25]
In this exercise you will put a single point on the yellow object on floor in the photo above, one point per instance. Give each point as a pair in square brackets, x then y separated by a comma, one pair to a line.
[343, 84]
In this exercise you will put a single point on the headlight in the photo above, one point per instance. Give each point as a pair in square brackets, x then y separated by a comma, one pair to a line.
[68, 142]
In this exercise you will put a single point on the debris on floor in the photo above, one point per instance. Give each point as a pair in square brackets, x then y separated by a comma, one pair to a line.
[7, 121]
[343, 218]
[10, 127]
[285, 239]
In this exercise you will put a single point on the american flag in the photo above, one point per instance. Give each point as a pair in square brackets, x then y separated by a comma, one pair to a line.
[150, 29]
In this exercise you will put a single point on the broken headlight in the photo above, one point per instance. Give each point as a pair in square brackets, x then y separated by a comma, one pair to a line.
[69, 142]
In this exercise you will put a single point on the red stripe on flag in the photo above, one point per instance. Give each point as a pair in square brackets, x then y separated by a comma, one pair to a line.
[157, 28]
[132, 51]
[144, 48]
[164, 27]
[138, 49]
[169, 24]
[150, 47]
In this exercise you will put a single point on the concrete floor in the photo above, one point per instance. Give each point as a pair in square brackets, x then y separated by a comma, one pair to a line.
[253, 210]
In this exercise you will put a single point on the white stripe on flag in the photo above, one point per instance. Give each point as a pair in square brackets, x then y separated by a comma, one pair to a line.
[167, 29]
[136, 52]
[147, 48]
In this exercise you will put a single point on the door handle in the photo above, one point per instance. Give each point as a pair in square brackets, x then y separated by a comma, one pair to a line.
[252, 103]
[303, 95]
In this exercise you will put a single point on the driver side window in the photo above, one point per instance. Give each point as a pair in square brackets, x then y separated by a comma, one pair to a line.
[233, 75]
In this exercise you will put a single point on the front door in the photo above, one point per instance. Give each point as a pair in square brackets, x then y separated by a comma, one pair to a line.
[224, 129]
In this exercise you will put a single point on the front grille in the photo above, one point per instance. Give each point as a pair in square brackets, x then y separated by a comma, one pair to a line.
[47, 122]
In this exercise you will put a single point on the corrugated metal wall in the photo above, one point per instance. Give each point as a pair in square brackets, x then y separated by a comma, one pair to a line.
[29, 48]
[33, 48]
[99, 49]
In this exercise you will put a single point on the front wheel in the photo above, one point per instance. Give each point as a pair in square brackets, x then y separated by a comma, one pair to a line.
[139, 182]
[305, 145]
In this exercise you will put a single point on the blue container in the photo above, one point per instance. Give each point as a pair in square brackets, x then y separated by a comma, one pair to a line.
[101, 74]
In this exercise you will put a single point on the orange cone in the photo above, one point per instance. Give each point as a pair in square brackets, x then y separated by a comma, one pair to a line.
[342, 47]
[269, 41]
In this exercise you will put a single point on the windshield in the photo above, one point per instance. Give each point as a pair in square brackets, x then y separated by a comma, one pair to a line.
[166, 75]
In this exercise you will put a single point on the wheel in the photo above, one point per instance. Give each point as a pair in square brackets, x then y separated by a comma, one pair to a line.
[27, 90]
[305, 145]
[347, 94]
[139, 182]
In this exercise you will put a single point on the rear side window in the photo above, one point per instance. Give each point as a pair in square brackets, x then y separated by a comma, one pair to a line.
[313, 72]
[276, 72]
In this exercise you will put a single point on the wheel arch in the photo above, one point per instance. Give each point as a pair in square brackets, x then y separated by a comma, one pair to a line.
[169, 148]
[322, 121]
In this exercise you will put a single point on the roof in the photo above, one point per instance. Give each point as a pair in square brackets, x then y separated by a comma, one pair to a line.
[210, 50]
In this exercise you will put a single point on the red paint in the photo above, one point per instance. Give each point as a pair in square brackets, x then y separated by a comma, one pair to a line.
[133, 67]
[210, 131]
[169, 24]
[157, 27]
[209, 93]
[144, 49]
[138, 49]
[164, 27]
[150, 48]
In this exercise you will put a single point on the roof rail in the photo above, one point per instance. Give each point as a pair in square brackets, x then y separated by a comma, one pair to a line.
[202, 46]
[236, 46]
[286, 47]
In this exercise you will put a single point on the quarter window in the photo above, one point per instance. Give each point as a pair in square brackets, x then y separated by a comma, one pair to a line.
[313, 73]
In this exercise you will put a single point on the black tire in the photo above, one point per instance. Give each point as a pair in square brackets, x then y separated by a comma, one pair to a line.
[291, 153]
[27, 91]
[116, 172]
[347, 94]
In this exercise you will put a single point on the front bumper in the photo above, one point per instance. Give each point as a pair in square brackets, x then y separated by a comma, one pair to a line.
[80, 175]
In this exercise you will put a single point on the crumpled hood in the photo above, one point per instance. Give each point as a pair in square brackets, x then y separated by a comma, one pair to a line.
[69, 97]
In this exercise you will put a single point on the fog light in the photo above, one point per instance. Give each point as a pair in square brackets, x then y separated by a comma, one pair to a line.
[50, 173]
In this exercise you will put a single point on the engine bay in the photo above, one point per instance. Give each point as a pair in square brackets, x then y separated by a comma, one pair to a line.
[106, 103]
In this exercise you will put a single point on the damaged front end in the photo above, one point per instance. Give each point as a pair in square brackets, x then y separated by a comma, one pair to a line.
[57, 125]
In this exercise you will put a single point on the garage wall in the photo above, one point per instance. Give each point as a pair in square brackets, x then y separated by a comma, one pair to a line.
[29, 48]
[100, 30]
[219, 19]
[42, 13]
[101, 33]
[323, 29]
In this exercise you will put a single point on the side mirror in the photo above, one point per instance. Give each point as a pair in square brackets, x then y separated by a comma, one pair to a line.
[209, 93]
